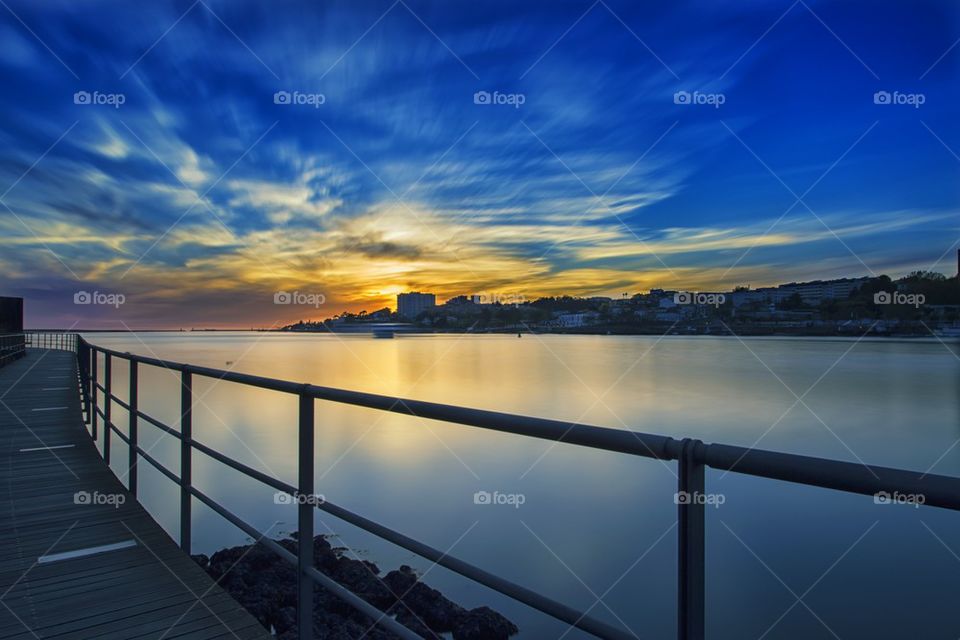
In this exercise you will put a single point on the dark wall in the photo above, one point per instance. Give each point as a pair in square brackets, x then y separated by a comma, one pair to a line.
[11, 315]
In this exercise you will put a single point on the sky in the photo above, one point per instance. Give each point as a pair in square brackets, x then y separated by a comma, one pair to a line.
[179, 164]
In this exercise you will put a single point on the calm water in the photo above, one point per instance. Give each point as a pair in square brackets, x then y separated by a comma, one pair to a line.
[596, 530]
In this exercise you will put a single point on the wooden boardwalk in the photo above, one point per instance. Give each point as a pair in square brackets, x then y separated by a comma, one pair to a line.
[70, 568]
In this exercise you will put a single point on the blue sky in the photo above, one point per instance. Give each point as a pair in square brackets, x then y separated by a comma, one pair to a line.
[199, 197]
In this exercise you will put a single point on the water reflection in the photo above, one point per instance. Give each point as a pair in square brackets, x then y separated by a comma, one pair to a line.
[593, 521]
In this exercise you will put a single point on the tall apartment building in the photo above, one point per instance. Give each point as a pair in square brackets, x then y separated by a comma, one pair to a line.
[410, 305]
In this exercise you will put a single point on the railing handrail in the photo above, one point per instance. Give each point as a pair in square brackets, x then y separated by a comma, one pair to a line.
[693, 456]
[50, 339]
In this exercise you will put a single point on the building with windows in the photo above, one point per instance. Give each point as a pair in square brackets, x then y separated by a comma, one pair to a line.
[410, 305]
[812, 293]
[11, 330]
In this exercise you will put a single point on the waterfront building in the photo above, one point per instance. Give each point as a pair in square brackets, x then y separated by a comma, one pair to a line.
[412, 304]
[812, 293]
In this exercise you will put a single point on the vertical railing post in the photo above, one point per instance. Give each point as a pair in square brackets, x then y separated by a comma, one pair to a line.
[86, 378]
[305, 511]
[132, 430]
[89, 354]
[93, 394]
[107, 391]
[82, 360]
[692, 521]
[186, 447]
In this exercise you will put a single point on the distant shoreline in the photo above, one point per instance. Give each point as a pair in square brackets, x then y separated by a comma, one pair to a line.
[570, 332]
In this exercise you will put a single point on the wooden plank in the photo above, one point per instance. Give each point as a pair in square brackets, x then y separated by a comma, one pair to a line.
[149, 590]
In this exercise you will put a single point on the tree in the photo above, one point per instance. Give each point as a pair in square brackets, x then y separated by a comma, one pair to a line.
[931, 276]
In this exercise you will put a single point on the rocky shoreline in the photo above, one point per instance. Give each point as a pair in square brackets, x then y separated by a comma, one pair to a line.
[265, 585]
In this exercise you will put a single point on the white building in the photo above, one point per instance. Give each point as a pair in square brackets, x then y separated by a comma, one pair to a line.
[574, 320]
[812, 293]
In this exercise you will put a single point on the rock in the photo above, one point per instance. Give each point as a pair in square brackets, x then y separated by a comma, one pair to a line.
[266, 585]
[483, 623]
[439, 613]
[413, 622]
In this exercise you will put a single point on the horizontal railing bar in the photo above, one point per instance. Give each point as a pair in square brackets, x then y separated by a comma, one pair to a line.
[619, 440]
[117, 431]
[852, 477]
[216, 455]
[358, 603]
[501, 585]
[158, 424]
[156, 463]
[148, 418]
[242, 468]
[380, 618]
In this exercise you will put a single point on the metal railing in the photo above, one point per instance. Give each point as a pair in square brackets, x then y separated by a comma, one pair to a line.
[51, 340]
[693, 456]
[12, 347]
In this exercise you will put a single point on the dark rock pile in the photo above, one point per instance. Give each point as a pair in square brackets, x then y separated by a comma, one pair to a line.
[266, 586]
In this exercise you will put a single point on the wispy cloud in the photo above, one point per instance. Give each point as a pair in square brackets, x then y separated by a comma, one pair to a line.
[399, 179]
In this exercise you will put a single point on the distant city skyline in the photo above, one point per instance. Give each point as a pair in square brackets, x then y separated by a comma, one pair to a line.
[310, 306]
[207, 157]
